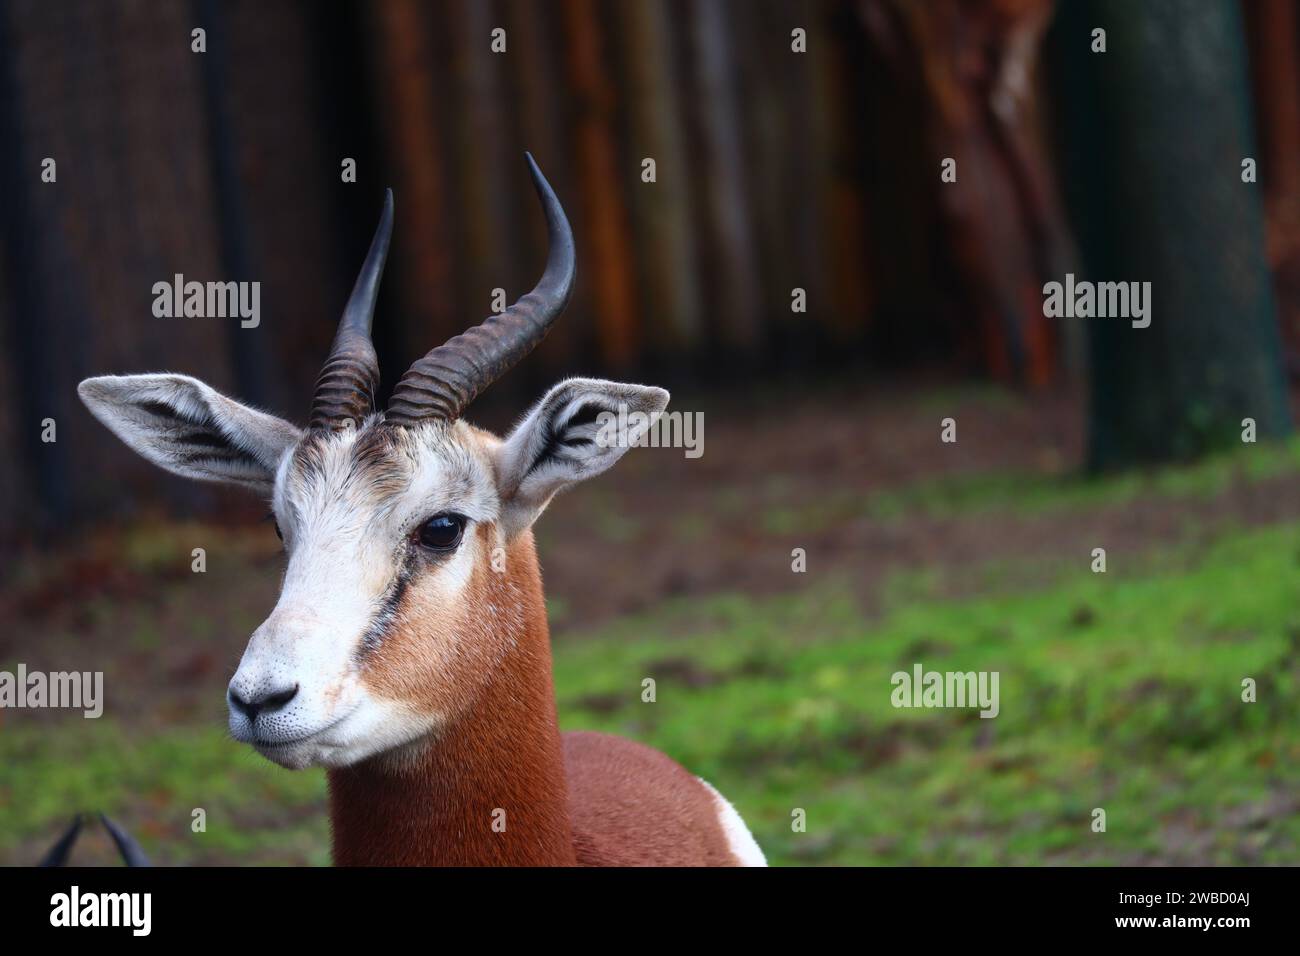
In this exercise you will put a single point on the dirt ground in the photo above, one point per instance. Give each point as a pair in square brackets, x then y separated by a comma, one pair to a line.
[800, 471]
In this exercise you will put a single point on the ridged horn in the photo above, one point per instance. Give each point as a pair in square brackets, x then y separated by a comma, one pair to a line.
[440, 385]
[349, 379]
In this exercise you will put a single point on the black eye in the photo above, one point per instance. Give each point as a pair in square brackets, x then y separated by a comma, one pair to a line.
[442, 532]
[278, 533]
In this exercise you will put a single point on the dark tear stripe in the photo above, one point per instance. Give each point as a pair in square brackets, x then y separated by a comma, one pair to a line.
[378, 628]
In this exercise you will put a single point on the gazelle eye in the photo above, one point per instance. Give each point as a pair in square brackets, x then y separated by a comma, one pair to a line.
[442, 532]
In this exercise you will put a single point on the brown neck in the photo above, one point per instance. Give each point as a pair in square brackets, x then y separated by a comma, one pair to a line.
[488, 790]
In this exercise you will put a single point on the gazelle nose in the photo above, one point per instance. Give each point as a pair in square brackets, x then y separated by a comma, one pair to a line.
[256, 704]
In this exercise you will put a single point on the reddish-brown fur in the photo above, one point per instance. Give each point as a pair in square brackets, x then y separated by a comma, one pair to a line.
[577, 798]
[633, 806]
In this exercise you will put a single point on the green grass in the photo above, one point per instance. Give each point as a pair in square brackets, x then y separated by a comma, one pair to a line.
[1119, 691]
[154, 781]
[1038, 494]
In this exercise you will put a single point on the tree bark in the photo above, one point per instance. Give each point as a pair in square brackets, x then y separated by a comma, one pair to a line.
[1155, 130]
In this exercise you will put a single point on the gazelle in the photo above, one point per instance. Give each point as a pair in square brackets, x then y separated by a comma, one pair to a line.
[409, 652]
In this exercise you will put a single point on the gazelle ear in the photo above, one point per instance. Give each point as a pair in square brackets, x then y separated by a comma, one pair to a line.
[578, 430]
[188, 428]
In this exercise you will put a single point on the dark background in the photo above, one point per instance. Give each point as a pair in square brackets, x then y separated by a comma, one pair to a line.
[776, 170]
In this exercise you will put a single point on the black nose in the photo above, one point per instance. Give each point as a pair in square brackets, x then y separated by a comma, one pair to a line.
[262, 703]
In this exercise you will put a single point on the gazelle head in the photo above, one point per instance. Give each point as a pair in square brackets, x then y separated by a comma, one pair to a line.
[410, 569]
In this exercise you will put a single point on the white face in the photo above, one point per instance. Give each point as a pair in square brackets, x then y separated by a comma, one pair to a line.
[351, 507]
[393, 612]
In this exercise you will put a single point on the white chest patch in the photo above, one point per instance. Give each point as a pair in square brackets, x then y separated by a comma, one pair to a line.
[742, 843]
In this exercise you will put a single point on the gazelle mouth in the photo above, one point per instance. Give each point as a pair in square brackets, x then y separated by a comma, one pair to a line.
[261, 743]
[272, 744]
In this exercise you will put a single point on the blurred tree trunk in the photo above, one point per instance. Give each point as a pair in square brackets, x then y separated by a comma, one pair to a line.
[411, 79]
[785, 141]
[495, 192]
[1273, 28]
[605, 253]
[129, 208]
[16, 492]
[731, 256]
[1155, 131]
[845, 206]
[248, 352]
[275, 143]
[538, 88]
[665, 244]
[1002, 226]
[34, 485]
